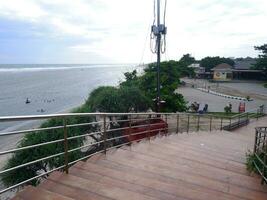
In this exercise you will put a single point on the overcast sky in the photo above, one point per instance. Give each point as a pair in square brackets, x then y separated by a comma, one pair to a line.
[115, 31]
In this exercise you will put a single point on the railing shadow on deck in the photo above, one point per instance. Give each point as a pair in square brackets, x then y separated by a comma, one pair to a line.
[100, 132]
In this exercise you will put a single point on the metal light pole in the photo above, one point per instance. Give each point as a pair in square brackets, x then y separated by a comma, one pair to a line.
[158, 30]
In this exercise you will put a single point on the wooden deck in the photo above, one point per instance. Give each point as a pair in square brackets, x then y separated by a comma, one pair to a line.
[195, 166]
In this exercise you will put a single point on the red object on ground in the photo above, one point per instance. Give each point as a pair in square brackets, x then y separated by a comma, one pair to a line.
[145, 128]
[242, 107]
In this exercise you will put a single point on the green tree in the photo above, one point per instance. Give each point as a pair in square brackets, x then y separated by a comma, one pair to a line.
[122, 99]
[38, 137]
[209, 62]
[261, 62]
[187, 60]
[170, 73]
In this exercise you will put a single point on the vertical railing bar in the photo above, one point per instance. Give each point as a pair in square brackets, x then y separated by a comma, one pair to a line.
[167, 128]
[149, 129]
[198, 119]
[210, 122]
[105, 133]
[178, 118]
[264, 158]
[221, 123]
[230, 123]
[256, 141]
[130, 131]
[66, 148]
[247, 119]
[188, 118]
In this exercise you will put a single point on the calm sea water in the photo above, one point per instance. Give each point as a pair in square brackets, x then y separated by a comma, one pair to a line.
[51, 88]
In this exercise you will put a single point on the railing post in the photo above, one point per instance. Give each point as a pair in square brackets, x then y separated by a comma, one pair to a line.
[238, 120]
[247, 119]
[257, 114]
[198, 119]
[130, 130]
[66, 148]
[149, 129]
[167, 129]
[210, 122]
[177, 130]
[188, 118]
[105, 134]
[264, 149]
[221, 123]
[230, 123]
[256, 141]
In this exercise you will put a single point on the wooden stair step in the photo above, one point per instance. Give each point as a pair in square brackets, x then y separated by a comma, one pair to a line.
[203, 148]
[194, 156]
[215, 143]
[71, 192]
[32, 193]
[105, 190]
[114, 181]
[186, 177]
[174, 187]
[205, 171]
[96, 157]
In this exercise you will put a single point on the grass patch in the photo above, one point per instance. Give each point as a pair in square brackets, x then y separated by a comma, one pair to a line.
[265, 85]
[251, 160]
[222, 114]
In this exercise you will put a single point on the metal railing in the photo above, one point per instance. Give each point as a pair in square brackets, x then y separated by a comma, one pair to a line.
[260, 152]
[78, 136]
[244, 118]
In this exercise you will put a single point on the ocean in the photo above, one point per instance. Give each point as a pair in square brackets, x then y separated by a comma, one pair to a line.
[51, 88]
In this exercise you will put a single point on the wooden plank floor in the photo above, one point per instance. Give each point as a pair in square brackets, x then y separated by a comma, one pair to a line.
[195, 166]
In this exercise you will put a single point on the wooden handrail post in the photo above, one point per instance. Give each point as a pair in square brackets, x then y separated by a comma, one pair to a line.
[221, 123]
[105, 134]
[66, 155]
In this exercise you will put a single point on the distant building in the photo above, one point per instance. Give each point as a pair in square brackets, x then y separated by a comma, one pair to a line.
[222, 72]
[243, 69]
[200, 71]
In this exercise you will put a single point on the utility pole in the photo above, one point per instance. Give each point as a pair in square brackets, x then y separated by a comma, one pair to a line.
[158, 30]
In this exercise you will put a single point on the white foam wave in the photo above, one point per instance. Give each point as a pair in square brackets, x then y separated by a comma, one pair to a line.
[33, 69]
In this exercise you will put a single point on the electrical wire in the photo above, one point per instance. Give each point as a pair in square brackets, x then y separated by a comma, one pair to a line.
[165, 8]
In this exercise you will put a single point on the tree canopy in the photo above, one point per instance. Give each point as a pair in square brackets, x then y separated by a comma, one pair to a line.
[209, 62]
[122, 99]
[261, 62]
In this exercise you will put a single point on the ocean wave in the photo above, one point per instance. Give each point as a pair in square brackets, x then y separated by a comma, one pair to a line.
[32, 69]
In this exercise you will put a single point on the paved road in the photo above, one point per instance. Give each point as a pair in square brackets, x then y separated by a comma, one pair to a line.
[217, 103]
